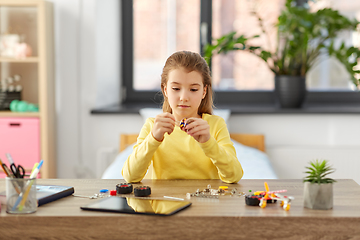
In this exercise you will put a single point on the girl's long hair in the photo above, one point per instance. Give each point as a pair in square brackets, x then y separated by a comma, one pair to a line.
[191, 62]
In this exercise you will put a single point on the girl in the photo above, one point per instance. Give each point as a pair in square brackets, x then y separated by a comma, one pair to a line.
[202, 149]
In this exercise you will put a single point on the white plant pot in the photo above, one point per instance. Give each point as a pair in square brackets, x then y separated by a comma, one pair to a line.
[318, 196]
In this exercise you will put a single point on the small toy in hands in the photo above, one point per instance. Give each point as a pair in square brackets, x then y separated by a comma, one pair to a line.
[260, 198]
[183, 124]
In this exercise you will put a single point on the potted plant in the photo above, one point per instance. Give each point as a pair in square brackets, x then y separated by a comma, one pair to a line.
[302, 36]
[318, 187]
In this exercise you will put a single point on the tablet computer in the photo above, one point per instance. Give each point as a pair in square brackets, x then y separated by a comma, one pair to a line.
[164, 207]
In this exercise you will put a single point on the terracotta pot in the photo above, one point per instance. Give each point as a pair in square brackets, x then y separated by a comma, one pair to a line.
[318, 196]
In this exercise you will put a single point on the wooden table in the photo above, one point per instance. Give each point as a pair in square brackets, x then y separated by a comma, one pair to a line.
[225, 218]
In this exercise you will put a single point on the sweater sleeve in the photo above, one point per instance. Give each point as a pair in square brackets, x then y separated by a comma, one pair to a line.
[221, 151]
[138, 162]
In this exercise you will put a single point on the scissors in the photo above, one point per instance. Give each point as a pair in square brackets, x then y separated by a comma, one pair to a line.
[18, 171]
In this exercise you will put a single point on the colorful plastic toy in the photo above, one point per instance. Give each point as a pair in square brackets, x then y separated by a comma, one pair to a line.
[261, 198]
[183, 124]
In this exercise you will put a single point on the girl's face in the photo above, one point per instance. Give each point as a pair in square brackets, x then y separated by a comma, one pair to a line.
[184, 91]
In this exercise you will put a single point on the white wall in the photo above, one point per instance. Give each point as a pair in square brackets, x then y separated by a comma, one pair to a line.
[292, 140]
[87, 70]
[87, 73]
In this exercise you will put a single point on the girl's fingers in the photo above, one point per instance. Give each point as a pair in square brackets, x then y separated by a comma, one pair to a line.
[167, 115]
[195, 125]
[169, 130]
[164, 122]
[164, 125]
[168, 127]
[200, 136]
[198, 130]
[165, 118]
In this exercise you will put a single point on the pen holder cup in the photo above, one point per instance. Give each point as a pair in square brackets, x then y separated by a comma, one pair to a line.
[21, 195]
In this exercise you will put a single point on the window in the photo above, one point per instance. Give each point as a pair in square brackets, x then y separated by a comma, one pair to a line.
[331, 75]
[244, 71]
[160, 28]
[152, 30]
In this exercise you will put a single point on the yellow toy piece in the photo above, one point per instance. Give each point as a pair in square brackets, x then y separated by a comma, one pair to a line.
[286, 207]
[266, 187]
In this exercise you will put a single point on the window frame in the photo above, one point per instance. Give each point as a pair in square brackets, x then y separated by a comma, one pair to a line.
[258, 97]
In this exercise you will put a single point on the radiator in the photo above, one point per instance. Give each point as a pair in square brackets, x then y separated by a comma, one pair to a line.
[104, 157]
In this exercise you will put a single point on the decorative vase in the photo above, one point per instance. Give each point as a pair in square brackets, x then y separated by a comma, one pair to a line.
[290, 90]
[318, 196]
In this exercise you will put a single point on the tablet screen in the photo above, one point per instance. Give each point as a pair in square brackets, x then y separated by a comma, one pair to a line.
[137, 206]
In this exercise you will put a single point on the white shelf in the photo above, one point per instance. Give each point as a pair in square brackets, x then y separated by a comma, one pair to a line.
[33, 19]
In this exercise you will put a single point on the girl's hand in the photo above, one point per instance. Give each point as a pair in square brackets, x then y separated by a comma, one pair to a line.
[164, 123]
[199, 129]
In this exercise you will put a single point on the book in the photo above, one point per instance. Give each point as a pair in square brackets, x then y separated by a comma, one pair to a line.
[46, 193]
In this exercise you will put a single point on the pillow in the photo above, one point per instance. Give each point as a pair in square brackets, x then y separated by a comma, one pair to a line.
[255, 163]
[114, 170]
[152, 112]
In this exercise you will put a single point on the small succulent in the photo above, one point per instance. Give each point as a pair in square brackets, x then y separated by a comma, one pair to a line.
[318, 171]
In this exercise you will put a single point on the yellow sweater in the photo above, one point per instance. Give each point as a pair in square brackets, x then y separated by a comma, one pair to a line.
[180, 156]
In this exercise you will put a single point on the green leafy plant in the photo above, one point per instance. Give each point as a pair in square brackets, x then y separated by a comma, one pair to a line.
[318, 171]
[302, 36]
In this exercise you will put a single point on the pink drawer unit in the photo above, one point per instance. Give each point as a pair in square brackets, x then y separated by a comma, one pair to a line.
[21, 138]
